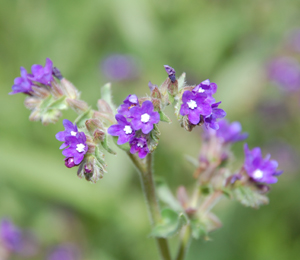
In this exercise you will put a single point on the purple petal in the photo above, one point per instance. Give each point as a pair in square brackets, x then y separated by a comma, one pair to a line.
[60, 136]
[115, 130]
[147, 107]
[147, 128]
[194, 118]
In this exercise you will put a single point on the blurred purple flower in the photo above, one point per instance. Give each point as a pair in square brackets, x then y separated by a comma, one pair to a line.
[285, 72]
[119, 67]
[217, 113]
[194, 105]
[207, 87]
[77, 147]
[22, 84]
[10, 235]
[129, 102]
[42, 74]
[70, 130]
[139, 145]
[144, 117]
[260, 170]
[64, 252]
[123, 129]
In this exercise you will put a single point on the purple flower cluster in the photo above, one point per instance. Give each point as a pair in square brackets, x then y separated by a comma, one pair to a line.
[259, 169]
[200, 102]
[10, 235]
[74, 142]
[40, 74]
[285, 72]
[137, 130]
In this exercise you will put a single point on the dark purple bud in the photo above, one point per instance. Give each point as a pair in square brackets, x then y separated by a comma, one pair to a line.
[171, 73]
[88, 168]
[263, 188]
[56, 73]
[69, 162]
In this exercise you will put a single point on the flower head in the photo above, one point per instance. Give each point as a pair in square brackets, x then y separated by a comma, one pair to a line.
[130, 102]
[211, 120]
[259, 169]
[194, 105]
[207, 87]
[77, 147]
[139, 145]
[42, 74]
[22, 84]
[70, 130]
[171, 73]
[230, 133]
[144, 117]
[123, 129]
[10, 235]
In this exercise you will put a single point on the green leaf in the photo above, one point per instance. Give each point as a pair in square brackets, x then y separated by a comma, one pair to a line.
[100, 157]
[80, 120]
[165, 195]
[171, 98]
[106, 145]
[107, 96]
[59, 103]
[164, 117]
[199, 229]
[181, 81]
[249, 197]
[171, 224]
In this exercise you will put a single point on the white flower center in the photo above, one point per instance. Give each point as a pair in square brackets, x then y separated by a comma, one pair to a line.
[140, 144]
[258, 174]
[192, 104]
[145, 118]
[127, 129]
[80, 148]
[201, 90]
[73, 133]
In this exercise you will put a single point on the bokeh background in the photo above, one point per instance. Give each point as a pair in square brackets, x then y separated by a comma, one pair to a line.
[228, 41]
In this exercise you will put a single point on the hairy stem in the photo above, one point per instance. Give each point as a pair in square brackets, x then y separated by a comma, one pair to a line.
[146, 175]
[185, 242]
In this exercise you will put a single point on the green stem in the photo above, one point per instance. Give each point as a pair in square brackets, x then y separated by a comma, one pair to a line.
[146, 175]
[184, 243]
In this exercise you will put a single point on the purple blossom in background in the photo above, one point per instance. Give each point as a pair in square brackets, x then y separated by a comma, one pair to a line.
[171, 73]
[42, 74]
[285, 72]
[139, 145]
[64, 252]
[10, 235]
[77, 147]
[70, 130]
[130, 102]
[194, 105]
[22, 84]
[230, 133]
[208, 88]
[144, 117]
[120, 67]
[217, 113]
[260, 170]
[123, 129]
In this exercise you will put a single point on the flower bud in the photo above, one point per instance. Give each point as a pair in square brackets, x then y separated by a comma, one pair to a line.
[156, 103]
[104, 107]
[78, 105]
[56, 89]
[69, 89]
[155, 93]
[56, 73]
[69, 162]
[40, 92]
[32, 102]
[91, 169]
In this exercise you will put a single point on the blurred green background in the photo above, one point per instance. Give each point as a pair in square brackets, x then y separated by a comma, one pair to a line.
[227, 41]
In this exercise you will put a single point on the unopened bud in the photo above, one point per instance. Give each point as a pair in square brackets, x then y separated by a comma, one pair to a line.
[50, 116]
[56, 89]
[155, 93]
[32, 102]
[78, 105]
[186, 124]
[56, 73]
[40, 92]
[69, 89]
[173, 87]
[69, 162]
[99, 135]
[156, 103]
[93, 124]
[104, 107]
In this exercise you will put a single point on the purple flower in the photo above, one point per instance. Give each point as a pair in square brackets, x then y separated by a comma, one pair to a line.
[120, 67]
[171, 73]
[77, 147]
[260, 170]
[144, 117]
[123, 129]
[194, 105]
[70, 130]
[139, 145]
[130, 102]
[230, 133]
[22, 84]
[64, 252]
[211, 120]
[42, 74]
[285, 72]
[208, 88]
[10, 235]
